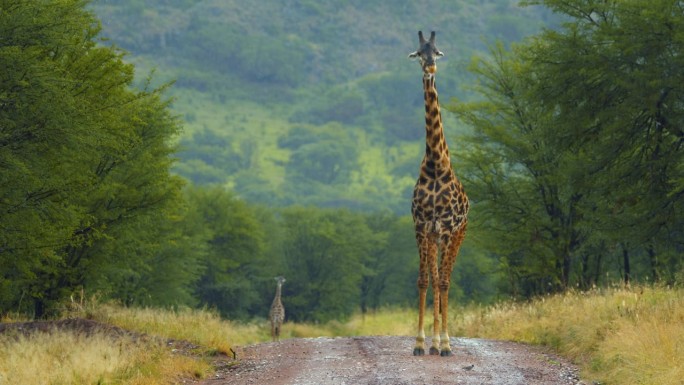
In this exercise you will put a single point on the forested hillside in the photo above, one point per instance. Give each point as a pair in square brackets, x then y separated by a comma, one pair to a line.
[307, 102]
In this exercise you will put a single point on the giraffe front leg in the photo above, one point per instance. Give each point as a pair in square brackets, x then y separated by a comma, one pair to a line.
[419, 349]
[434, 348]
[424, 249]
[445, 347]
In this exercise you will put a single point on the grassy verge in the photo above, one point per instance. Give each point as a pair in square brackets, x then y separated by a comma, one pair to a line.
[617, 336]
[64, 357]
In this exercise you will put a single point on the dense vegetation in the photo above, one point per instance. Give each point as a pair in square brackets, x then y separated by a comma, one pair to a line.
[300, 147]
[576, 157]
[84, 159]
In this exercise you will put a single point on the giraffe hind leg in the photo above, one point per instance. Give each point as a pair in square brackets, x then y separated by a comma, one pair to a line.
[447, 264]
[419, 349]
[434, 276]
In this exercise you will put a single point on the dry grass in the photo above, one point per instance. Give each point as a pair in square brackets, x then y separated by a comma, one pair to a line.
[201, 327]
[617, 336]
[385, 322]
[63, 357]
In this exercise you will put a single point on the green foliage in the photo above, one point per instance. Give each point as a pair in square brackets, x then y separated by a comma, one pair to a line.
[574, 153]
[235, 64]
[397, 109]
[84, 159]
[88, 202]
[393, 266]
[234, 249]
[574, 162]
[325, 252]
[326, 155]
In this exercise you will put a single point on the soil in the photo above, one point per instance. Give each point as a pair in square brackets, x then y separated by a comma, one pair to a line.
[389, 361]
[355, 360]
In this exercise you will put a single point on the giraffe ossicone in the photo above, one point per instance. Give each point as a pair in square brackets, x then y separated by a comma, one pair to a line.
[439, 208]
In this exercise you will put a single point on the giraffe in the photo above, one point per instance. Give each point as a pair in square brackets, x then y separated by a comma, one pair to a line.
[277, 312]
[439, 208]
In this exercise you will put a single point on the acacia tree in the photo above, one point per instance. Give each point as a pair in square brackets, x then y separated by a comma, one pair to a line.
[527, 209]
[618, 75]
[577, 151]
[84, 159]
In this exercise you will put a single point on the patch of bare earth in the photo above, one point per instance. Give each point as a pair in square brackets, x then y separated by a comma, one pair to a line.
[388, 361]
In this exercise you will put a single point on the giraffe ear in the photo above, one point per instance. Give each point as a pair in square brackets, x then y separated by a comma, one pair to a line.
[439, 53]
[413, 55]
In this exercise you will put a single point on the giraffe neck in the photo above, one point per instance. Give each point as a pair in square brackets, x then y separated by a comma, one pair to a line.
[436, 150]
[277, 295]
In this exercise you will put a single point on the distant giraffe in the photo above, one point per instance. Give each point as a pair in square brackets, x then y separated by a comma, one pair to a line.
[439, 207]
[277, 313]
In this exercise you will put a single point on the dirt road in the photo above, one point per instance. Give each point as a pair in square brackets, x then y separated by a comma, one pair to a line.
[388, 361]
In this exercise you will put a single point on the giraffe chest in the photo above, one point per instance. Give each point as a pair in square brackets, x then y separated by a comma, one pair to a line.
[439, 204]
[277, 311]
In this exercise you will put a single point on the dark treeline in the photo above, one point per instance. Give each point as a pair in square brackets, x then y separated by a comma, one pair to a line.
[574, 165]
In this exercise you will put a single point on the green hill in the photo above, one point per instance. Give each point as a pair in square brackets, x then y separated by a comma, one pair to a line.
[309, 102]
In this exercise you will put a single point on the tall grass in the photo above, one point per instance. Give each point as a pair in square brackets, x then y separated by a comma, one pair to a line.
[617, 336]
[202, 327]
[64, 357]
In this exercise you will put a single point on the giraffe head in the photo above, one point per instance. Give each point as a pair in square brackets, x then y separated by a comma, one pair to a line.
[427, 54]
[280, 280]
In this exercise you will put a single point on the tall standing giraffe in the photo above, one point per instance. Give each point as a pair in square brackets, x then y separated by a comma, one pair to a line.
[277, 312]
[439, 207]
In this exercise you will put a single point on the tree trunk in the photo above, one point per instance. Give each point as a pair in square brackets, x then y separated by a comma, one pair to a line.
[653, 258]
[597, 273]
[625, 263]
[585, 279]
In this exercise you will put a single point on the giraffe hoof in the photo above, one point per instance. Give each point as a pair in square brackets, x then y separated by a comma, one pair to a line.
[446, 353]
[418, 352]
[434, 351]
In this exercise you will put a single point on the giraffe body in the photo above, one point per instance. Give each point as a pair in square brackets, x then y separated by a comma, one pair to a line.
[277, 312]
[440, 211]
